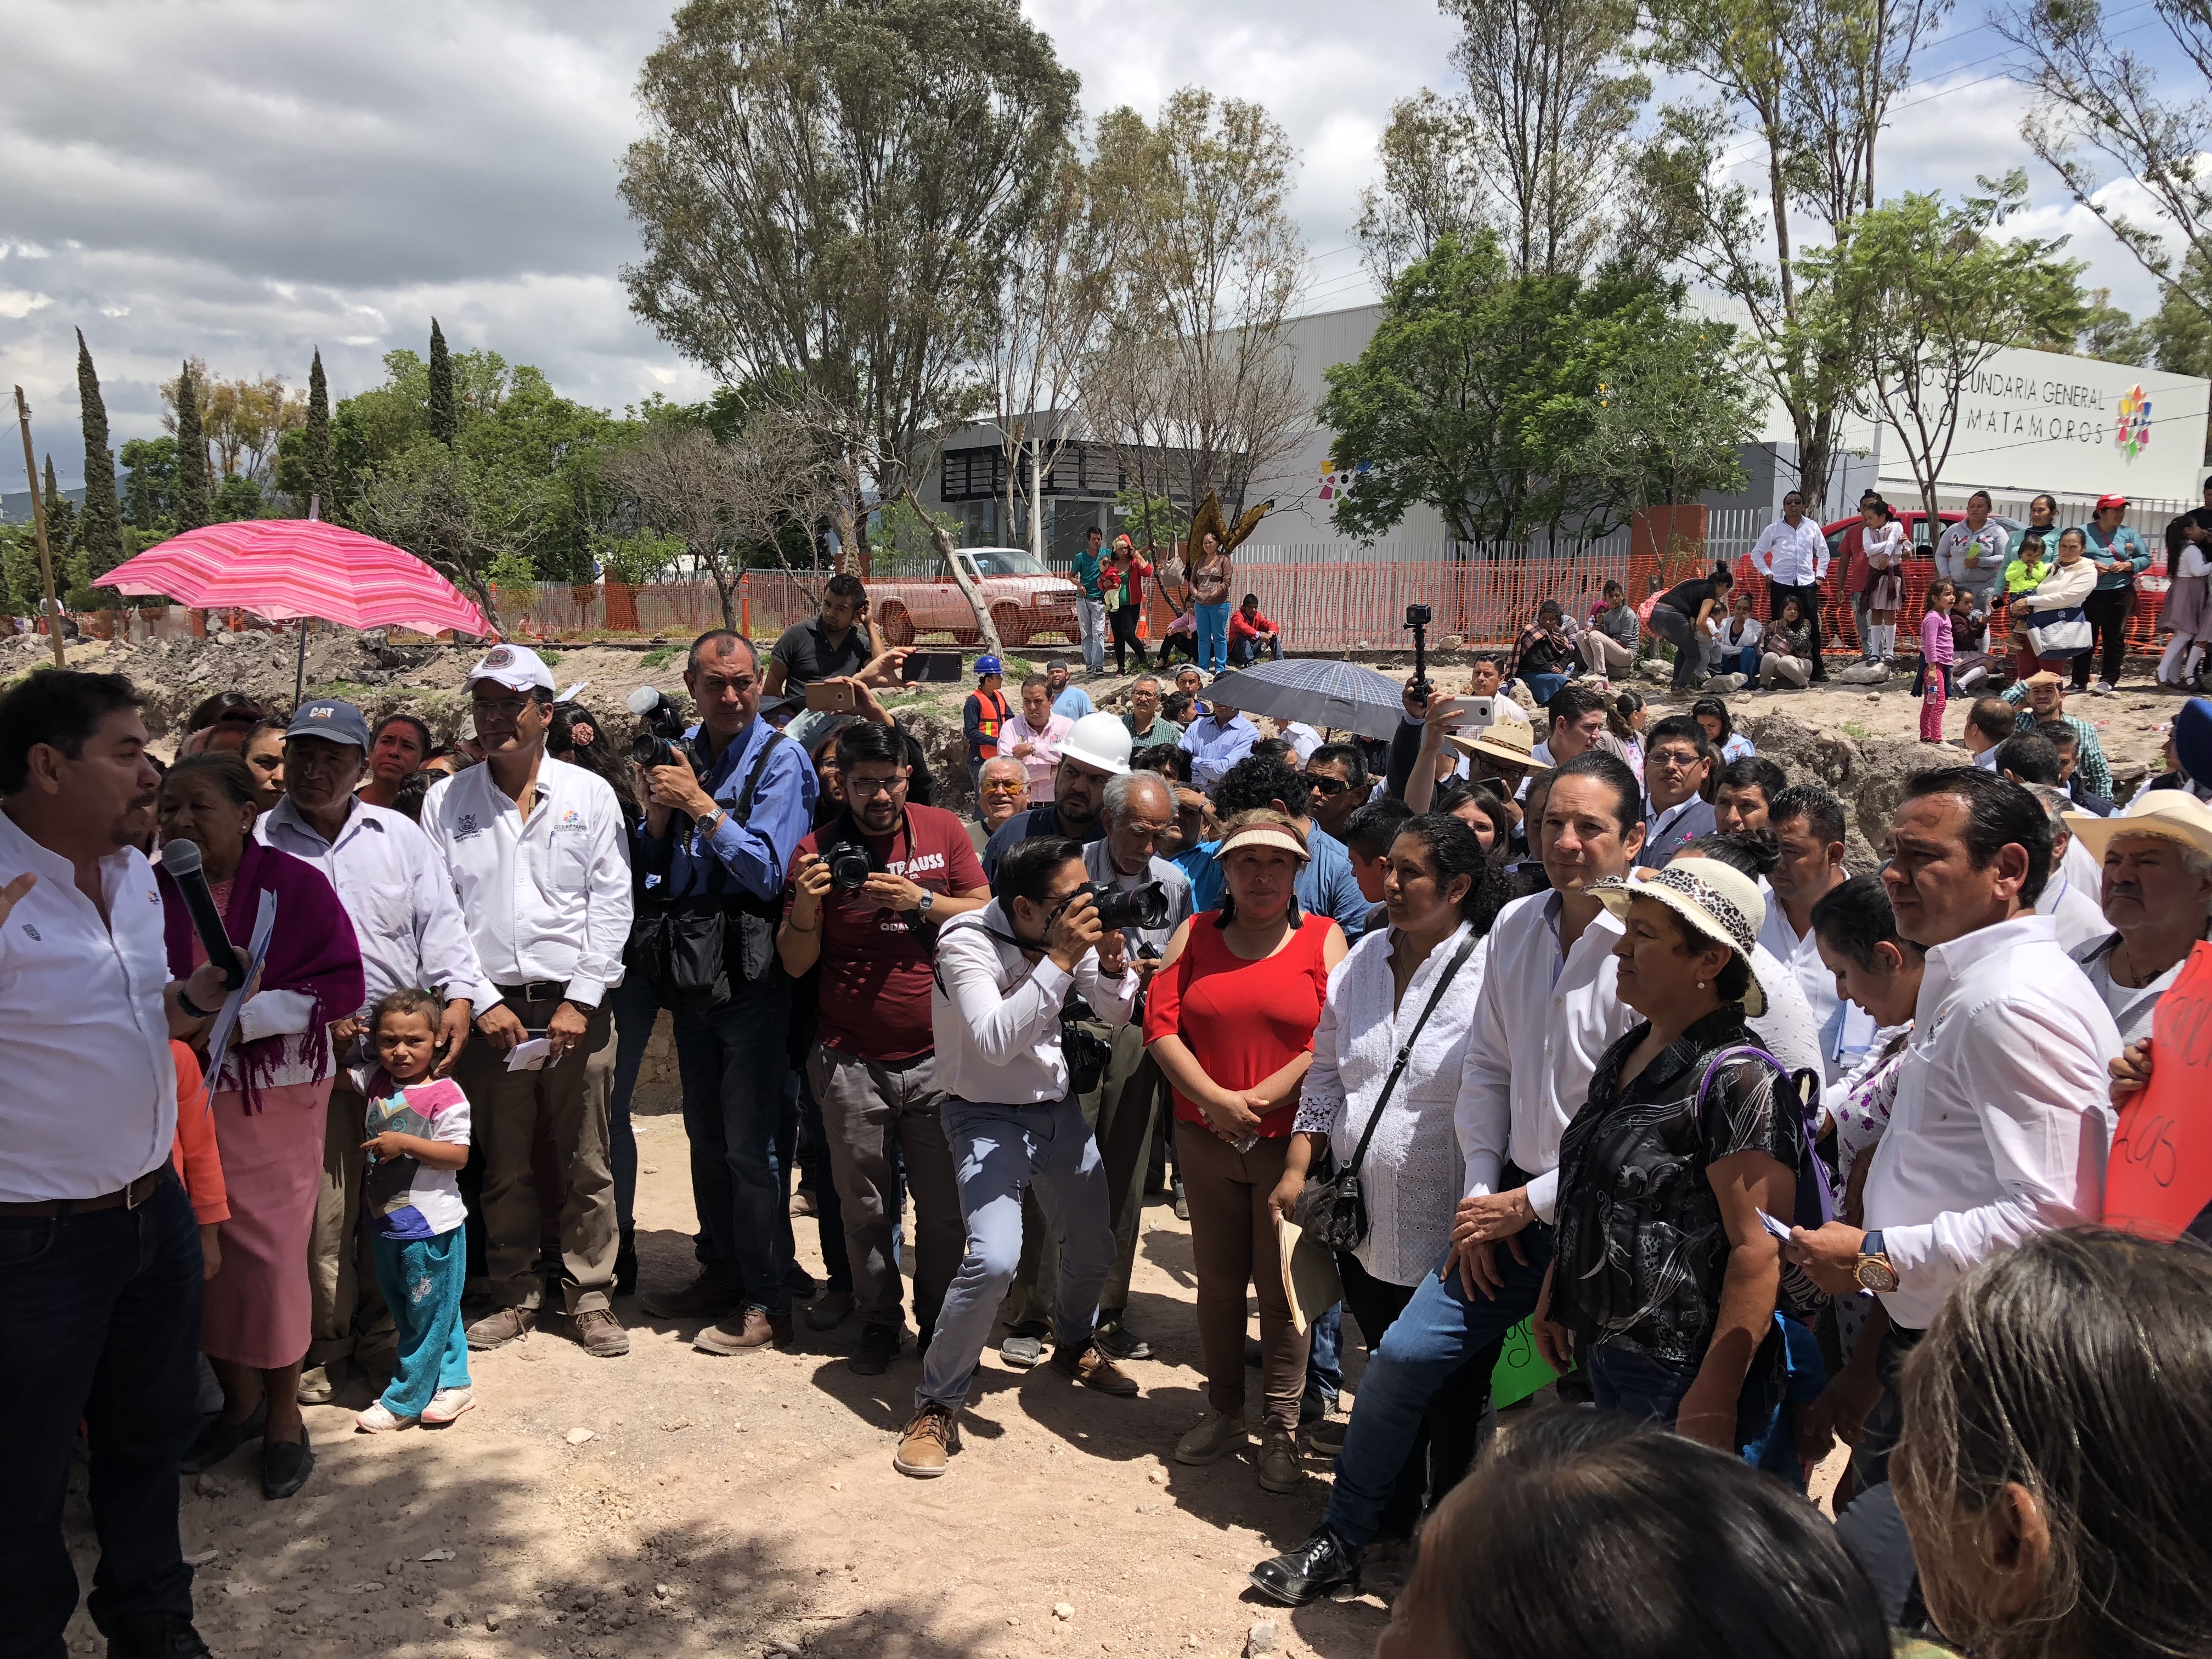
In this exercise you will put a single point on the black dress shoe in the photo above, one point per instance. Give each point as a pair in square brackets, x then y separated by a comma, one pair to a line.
[219, 1436]
[1117, 1341]
[286, 1466]
[626, 1263]
[155, 1635]
[1307, 1572]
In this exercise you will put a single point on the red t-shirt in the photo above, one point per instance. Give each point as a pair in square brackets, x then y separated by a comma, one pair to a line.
[875, 974]
[1243, 1021]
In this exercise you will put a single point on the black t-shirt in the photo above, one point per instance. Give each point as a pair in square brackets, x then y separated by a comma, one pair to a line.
[1685, 597]
[807, 655]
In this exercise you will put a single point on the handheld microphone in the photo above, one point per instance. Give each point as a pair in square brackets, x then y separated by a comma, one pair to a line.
[181, 859]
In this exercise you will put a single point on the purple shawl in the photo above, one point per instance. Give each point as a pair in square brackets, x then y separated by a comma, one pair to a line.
[313, 950]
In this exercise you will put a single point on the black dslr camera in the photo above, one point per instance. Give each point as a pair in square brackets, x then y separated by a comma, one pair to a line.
[655, 745]
[1144, 905]
[850, 865]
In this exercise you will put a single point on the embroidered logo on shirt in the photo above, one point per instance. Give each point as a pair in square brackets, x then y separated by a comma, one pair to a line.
[467, 827]
[32, 930]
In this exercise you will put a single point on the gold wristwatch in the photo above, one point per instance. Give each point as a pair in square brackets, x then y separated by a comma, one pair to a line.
[1874, 1271]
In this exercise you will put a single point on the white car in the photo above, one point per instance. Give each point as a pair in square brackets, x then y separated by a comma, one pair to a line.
[1028, 602]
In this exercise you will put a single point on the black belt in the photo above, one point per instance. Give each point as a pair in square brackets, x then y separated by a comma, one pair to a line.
[538, 990]
[122, 1198]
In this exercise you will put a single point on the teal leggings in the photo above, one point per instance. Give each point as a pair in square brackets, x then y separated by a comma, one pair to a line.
[421, 1279]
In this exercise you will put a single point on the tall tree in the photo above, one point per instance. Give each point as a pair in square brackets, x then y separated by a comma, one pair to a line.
[243, 421]
[824, 191]
[99, 528]
[191, 454]
[1430, 188]
[317, 439]
[1933, 296]
[2105, 111]
[445, 422]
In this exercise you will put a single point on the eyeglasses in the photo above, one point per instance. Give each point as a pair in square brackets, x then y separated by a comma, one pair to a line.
[1004, 785]
[1674, 760]
[1328, 785]
[506, 708]
[867, 786]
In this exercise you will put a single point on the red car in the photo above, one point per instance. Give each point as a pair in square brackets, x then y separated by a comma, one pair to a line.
[1916, 522]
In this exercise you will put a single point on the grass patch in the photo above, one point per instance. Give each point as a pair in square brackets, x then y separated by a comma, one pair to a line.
[1859, 730]
[659, 655]
[345, 690]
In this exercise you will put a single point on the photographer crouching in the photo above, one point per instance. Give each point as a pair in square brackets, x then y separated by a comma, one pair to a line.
[1114, 1078]
[1014, 1123]
[869, 890]
[725, 812]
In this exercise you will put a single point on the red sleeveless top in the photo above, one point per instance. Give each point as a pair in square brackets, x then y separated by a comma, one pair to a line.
[1245, 1021]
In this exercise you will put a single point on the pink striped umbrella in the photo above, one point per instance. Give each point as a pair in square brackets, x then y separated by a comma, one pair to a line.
[285, 568]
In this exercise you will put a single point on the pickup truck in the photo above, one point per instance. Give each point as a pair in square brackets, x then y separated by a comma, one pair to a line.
[1028, 602]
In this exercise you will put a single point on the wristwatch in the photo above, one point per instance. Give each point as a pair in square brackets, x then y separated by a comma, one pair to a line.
[923, 905]
[1874, 1271]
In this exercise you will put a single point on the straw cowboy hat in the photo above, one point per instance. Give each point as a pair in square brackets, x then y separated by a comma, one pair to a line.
[1509, 740]
[1716, 900]
[2169, 814]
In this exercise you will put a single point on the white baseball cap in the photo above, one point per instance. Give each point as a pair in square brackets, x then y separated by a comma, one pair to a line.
[517, 667]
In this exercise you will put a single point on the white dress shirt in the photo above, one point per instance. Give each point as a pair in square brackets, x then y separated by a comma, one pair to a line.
[2002, 1124]
[1542, 1022]
[395, 890]
[2072, 901]
[88, 1088]
[996, 1013]
[1796, 556]
[545, 897]
[1412, 1176]
[1845, 1029]
[1788, 1028]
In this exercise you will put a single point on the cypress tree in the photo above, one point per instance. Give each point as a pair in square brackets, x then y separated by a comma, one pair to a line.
[61, 521]
[191, 456]
[318, 437]
[445, 425]
[100, 527]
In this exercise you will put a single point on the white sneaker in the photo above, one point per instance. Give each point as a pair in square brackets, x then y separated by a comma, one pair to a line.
[379, 1420]
[447, 1404]
[2103, 689]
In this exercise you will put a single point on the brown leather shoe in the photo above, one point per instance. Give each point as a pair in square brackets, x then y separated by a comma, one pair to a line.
[1093, 1370]
[600, 1333]
[701, 1297]
[928, 1443]
[748, 1333]
[501, 1326]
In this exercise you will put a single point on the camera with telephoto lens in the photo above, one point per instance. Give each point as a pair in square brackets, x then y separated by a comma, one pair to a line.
[664, 727]
[850, 865]
[1144, 905]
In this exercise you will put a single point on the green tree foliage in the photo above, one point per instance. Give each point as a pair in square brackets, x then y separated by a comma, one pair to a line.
[100, 525]
[61, 520]
[2181, 330]
[823, 192]
[2110, 336]
[445, 421]
[1931, 296]
[239, 496]
[1514, 404]
[149, 484]
[315, 438]
[191, 500]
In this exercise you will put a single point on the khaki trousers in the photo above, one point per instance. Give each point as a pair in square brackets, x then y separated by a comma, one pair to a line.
[505, 1110]
[347, 1308]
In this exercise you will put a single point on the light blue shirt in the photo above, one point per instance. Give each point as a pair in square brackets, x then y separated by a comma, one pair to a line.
[1325, 884]
[2125, 544]
[1074, 703]
[755, 856]
[1214, 745]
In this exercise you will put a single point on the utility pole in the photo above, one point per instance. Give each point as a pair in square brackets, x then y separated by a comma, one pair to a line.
[38, 524]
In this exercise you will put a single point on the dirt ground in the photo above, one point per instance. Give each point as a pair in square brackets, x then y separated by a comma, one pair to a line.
[674, 1503]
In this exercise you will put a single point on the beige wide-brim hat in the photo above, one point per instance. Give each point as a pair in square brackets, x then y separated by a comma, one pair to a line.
[2171, 814]
[1509, 741]
[1263, 835]
[1716, 900]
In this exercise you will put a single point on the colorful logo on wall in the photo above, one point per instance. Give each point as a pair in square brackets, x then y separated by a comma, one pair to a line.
[1337, 481]
[2134, 433]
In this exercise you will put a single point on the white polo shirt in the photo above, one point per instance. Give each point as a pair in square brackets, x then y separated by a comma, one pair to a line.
[545, 897]
[88, 1090]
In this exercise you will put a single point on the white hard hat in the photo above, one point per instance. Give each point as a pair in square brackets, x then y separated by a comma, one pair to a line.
[1099, 740]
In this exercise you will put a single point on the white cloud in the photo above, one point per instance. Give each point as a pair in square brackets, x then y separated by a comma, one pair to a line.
[15, 303]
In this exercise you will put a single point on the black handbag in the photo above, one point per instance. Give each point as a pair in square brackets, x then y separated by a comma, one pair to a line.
[1331, 1205]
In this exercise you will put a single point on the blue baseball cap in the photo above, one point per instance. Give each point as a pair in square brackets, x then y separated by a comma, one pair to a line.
[331, 720]
[987, 664]
[2193, 739]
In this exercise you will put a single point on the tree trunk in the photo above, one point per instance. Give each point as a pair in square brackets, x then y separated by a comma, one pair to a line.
[1037, 502]
[985, 627]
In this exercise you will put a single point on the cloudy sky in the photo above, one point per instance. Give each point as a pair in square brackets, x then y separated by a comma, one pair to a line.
[247, 179]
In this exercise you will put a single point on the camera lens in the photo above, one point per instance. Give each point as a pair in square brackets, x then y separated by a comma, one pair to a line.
[849, 866]
[1146, 906]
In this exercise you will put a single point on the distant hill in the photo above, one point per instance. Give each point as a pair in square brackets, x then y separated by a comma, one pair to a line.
[16, 504]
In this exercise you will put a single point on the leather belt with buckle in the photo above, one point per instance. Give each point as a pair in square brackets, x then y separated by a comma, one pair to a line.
[123, 1198]
[539, 990]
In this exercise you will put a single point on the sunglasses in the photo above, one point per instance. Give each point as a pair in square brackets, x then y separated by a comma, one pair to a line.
[1005, 786]
[1326, 786]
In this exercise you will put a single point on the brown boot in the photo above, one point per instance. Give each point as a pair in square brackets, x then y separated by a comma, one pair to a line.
[600, 1333]
[928, 1443]
[501, 1326]
[701, 1297]
[748, 1334]
[1093, 1370]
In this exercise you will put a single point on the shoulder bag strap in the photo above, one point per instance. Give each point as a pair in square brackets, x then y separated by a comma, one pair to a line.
[742, 811]
[1406, 1048]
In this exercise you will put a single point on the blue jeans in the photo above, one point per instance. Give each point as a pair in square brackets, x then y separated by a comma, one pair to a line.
[1544, 687]
[1437, 1333]
[99, 1320]
[635, 1006]
[1243, 653]
[1212, 636]
[421, 1279]
[1623, 1380]
[999, 1153]
[733, 1061]
[1324, 1366]
[1678, 631]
